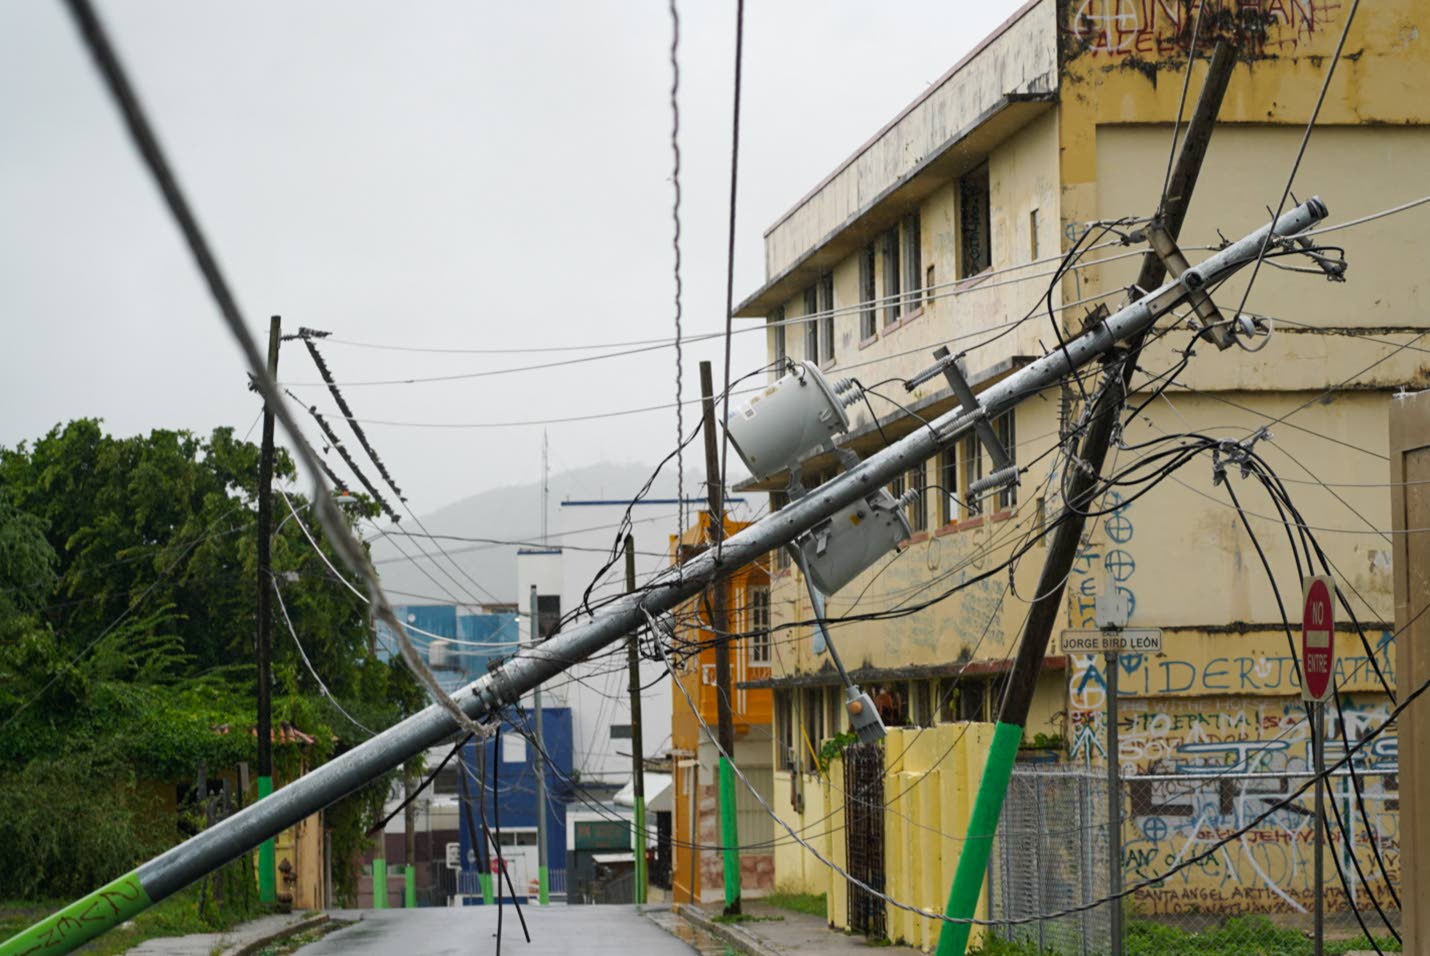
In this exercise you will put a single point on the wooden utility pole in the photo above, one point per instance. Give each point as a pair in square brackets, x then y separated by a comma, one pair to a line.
[637, 737]
[1047, 608]
[719, 626]
[267, 872]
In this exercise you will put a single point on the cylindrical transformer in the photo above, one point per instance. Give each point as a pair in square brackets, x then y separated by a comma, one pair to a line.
[837, 551]
[785, 423]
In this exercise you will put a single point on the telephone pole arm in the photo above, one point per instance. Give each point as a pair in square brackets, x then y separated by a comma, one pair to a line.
[176, 868]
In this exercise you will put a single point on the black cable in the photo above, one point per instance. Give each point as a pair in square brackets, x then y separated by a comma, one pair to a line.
[352, 420]
[378, 827]
[335, 442]
[730, 255]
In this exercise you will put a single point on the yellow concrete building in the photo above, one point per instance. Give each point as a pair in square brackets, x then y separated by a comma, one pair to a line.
[946, 228]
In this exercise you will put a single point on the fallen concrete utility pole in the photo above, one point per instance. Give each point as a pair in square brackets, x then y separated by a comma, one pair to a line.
[484, 699]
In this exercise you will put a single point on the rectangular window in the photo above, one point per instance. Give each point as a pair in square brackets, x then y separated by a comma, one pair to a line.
[813, 707]
[826, 317]
[811, 325]
[548, 615]
[975, 232]
[1007, 434]
[913, 263]
[948, 485]
[868, 292]
[970, 470]
[1033, 236]
[948, 699]
[781, 356]
[923, 702]
[787, 757]
[893, 303]
[620, 731]
[972, 694]
[918, 510]
[759, 625]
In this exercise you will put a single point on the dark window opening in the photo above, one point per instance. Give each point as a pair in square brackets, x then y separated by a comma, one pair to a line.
[893, 303]
[975, 230]
[868, 292]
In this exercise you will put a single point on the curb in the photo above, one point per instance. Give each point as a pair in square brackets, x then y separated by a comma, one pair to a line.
[732, 933]
[292, 929]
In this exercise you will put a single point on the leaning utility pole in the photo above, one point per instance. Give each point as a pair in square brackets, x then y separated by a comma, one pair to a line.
[719, 626]
[543, 874]
[484, 698]
[1047, 608]
[637, 737]
[267, 868]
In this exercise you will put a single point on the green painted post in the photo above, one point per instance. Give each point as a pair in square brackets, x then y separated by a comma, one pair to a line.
[485, 879]
[640, 850]
[978, 842]
[729, 833]
[409, 887]
[82, 920]
[379, 884]
[267, 858]
[543, 885]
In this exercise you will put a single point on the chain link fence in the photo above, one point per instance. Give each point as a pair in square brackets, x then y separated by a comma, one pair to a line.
[1227, 891]
[1050, 855]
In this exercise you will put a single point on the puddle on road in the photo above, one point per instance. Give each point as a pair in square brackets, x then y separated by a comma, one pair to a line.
[698, 940]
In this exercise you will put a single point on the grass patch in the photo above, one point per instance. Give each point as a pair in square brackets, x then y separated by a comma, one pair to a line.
[1238, 936]
[737, 918]
[179, 915]
[811, 904]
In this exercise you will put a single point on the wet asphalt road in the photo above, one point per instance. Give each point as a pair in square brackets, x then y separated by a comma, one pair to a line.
[471, 931]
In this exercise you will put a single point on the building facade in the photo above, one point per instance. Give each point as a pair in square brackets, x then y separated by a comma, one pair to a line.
[697, 870]
[950, 226]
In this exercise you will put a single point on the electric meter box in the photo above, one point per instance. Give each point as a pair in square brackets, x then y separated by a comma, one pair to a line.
[785, 423]
[838, 551]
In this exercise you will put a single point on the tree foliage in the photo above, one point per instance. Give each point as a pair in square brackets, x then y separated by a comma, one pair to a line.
[128, 576]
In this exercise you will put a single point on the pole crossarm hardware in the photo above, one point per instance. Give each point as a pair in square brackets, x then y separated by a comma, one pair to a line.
[483, 699]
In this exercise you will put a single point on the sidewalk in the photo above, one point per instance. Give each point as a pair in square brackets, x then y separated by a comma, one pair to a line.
[242, 940]
[779, 932]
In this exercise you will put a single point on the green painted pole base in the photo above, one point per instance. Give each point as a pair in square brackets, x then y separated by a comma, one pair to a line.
[543, 885]
[640, 851]
[485, 879]
[978, 843]
[730, 837]
[409, 887]
[267, 858]
[379, 884]
[82, 920]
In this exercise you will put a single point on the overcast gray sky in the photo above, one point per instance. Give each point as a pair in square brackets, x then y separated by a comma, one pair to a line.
[462, 175]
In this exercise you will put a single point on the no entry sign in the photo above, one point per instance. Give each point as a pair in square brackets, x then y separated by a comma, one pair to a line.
[1318, 638]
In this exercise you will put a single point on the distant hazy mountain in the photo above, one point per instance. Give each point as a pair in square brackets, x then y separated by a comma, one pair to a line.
[509, 514]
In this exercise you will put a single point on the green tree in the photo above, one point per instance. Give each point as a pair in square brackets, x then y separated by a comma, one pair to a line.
[127, 622]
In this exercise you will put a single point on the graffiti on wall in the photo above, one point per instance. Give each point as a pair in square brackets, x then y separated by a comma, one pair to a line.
[1157, 29]
[1222, 764]
[1104, 555]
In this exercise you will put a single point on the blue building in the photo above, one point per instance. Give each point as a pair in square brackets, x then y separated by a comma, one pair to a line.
[503, 770]
[456, 646]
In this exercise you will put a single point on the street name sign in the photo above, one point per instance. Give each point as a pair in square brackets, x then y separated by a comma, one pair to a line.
[1127, 640]
[1318, 638]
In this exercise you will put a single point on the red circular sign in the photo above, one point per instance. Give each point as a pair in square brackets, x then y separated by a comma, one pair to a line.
[1318, 638]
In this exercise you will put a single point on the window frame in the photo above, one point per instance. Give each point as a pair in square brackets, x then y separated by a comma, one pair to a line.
[757, 607]
[811, 325]
[975, 199]
[825, 301]
[948, 471]
[868, 293]
[911, 235]
[918, 514]
[781, 346]
[1005, 426]
[893, 300]
[970, 470]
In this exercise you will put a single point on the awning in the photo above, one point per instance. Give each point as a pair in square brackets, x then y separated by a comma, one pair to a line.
[657, 793]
